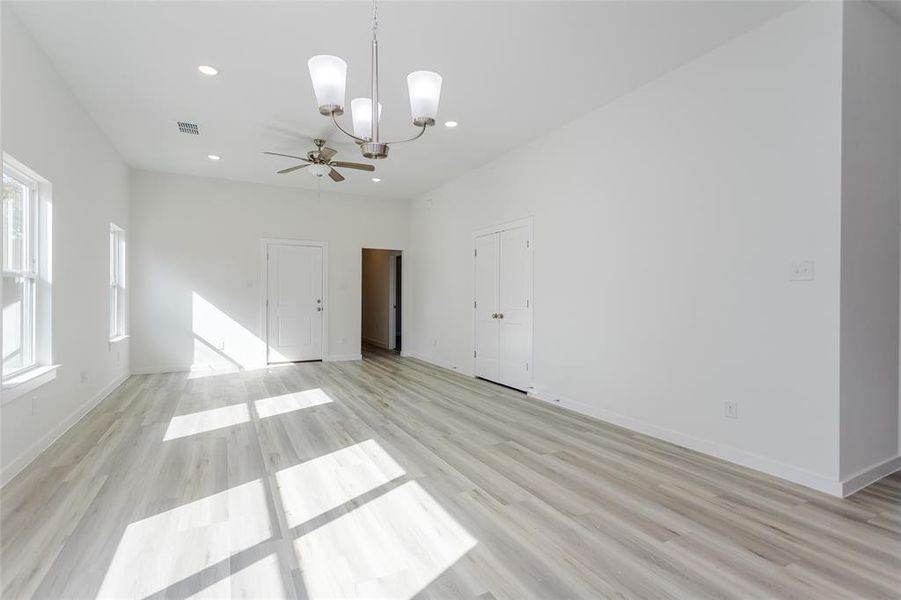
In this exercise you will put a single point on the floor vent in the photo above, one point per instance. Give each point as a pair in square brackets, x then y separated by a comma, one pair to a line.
[185, 127]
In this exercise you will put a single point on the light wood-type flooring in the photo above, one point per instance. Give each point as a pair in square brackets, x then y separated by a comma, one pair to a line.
[392, 478]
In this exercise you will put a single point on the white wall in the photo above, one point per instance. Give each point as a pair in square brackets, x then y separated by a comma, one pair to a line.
[197, 257]
[665, 224]
[376, 308]
[871, 110]
[45, 127]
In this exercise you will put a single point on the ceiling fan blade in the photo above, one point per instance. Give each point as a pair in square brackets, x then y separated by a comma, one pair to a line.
[326, 154]
[359, 166]
[288, 156]
[289, 169]
[335, 175]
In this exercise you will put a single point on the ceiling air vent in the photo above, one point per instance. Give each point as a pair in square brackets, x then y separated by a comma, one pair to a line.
[185, 127]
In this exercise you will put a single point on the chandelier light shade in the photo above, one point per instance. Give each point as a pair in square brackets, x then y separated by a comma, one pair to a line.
[329, 76]
[361, 111]
[425, 91]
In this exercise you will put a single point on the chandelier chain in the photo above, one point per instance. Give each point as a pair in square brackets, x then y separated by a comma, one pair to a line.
[375, 18]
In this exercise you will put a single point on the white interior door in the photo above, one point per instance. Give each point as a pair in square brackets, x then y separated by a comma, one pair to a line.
[487, 326]
[503, 305]
[515, 306]
[294, 302]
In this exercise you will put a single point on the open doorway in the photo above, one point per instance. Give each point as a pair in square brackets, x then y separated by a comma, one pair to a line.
[380, 319]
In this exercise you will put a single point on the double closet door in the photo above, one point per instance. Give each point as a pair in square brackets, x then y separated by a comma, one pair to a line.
[503, 305]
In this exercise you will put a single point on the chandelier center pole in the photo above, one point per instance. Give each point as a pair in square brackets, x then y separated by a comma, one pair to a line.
[375, 73]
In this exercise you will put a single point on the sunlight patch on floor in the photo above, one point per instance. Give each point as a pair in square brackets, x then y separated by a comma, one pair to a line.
[159, 551]
[321, 484]
[391, 547]
[279, 405]
[261, 579]
[226, 416]
[207, 420]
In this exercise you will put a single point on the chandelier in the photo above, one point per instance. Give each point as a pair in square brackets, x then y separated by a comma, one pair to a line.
[329, 76]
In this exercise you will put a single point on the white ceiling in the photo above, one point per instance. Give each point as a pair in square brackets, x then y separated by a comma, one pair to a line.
[512, 71]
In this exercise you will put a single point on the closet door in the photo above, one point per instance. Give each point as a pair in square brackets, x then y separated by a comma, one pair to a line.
[487, 339]
[515, 307]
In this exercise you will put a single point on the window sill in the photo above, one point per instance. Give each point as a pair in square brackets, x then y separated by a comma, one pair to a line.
[19, 385]
[119, 338]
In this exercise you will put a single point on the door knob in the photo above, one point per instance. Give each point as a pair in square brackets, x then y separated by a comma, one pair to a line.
[493, 315]
[318, 308]
[500, 315]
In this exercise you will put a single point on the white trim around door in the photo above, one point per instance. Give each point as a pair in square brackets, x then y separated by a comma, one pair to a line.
[264, 289]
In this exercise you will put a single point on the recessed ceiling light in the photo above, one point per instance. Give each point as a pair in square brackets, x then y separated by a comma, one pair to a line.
[376, 179]
[450, 123]
[208, 70]
[214, 157]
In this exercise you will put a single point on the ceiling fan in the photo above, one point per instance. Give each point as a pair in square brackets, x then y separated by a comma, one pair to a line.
[321, 163]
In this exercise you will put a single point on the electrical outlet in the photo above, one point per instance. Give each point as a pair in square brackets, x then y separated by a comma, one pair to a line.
[731, 409]
[801, 271]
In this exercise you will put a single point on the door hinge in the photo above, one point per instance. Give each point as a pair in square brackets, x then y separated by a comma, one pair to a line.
[475, 252]
[267, 302]
[473, 353]
[527, 366]
[527, 243]
[475, 304]
[527, 303]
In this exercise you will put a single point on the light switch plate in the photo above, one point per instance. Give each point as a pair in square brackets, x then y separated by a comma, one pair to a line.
[731, 409]
[801, 271]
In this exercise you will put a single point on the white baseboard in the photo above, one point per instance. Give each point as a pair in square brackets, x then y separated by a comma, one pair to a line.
[722, 451]
[871, 474]
[435, 361]
[160, 369]
[184, 369]
[23, 460]
[344, 357]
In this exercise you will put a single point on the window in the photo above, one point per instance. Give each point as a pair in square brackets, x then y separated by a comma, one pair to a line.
[117, 301]
[21, 260]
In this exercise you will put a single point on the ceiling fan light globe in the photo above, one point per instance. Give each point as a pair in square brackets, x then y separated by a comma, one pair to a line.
[361, 110]
[425, 92]
[319, 170]
[329, 76]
